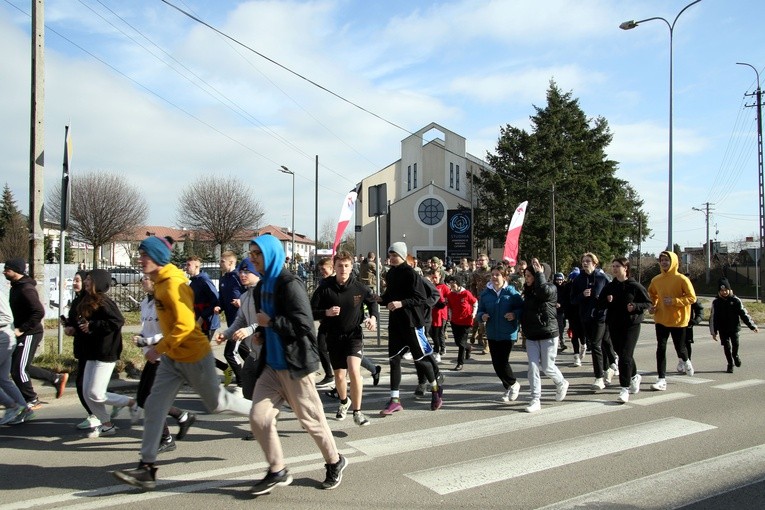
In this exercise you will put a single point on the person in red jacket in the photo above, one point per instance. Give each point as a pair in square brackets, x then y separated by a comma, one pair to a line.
[439, 316]
[462, 305]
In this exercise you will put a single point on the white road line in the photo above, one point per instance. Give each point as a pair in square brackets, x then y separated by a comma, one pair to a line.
[684, 379]
[459, 432]
[739, 384]
[660, 398]
[679, 487]
[475, 473]
[81, 497]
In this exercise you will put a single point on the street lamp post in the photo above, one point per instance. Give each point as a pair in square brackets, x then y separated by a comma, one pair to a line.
[629, 25]
[286, 170]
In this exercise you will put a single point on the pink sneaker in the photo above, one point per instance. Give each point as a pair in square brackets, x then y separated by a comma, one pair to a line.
[392, 407]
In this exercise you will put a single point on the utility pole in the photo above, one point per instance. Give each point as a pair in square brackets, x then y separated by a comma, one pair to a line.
[552, 234]
[758, 104]
[707, 248]
[37, 145]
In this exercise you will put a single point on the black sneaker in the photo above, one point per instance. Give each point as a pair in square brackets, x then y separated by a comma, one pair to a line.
[328, 379]
[737, 361]
[376, 375]
[185, 425]
[334, 474]
[332, 393]
[730, 369]
[144, 477]
[279, 479]
[166, 444]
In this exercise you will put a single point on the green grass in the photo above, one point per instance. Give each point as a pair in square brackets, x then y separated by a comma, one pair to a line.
[131, 319]
[131, 361]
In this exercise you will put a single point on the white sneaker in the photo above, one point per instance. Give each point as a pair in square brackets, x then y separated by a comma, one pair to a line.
[534, 406]
[598, 384]
[408, 355]
[561, 390]
[659, 385]
[680, 366]
[615, 366]
[635, 384]
[135, 414]
[438, 358]
[342, 410]
[88, 423]
[514, 390]
[582, 351]
[689, 368]
[609, 375]
[577, 360]
[237, 392]
[624, 395]
[102, 431]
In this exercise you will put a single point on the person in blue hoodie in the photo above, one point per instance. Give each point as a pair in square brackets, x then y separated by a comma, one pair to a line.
[285, 322]
[499, 308]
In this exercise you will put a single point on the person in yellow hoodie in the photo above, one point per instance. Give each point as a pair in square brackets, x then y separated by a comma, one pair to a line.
[186, 358]
[671, 295]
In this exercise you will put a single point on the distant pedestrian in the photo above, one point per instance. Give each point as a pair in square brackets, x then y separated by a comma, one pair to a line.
[728, 312]
[10, 396]
[28, 314]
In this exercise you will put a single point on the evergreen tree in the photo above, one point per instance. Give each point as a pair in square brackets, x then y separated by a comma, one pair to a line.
[562, 160]
[8, 209]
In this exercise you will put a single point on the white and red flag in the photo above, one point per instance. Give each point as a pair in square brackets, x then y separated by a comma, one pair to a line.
[514, 233]
[349, 206]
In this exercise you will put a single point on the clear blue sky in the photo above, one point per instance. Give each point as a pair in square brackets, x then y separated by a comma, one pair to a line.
[168, 100]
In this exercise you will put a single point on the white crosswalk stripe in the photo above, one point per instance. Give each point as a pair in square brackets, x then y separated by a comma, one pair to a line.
[740, 384]
[475, 473]
[677, 487]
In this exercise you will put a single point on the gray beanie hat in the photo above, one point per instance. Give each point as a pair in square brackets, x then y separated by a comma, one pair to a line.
[399, 248]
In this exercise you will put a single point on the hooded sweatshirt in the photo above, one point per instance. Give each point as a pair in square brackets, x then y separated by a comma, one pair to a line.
[290, 338]
[103, 341]
[28, 311]
[671, 283]
[182, 340]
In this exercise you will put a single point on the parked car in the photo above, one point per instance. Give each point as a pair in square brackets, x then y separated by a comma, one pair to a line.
[125, 275]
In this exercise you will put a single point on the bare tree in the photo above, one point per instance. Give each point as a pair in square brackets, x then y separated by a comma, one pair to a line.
[327, 233]
[15, 240]
[104, 207]
[221, 208]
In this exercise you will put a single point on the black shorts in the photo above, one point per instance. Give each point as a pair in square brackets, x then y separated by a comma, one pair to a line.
[341, 347]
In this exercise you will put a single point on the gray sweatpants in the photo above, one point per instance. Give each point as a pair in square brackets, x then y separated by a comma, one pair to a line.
[170, 377]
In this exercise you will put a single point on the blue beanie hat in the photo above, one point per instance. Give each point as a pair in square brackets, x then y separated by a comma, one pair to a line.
[574, 273]
[247, 265]
[156, 249]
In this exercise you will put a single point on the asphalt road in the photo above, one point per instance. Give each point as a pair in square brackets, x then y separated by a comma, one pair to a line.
[699, 445]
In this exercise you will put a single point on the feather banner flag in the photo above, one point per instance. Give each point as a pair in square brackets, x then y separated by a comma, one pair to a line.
[514, 233]
[349, 205]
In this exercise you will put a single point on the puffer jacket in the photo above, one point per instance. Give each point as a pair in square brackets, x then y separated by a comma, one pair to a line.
[539, 312]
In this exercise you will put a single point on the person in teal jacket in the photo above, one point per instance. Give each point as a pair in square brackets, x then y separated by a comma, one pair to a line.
[499, 308]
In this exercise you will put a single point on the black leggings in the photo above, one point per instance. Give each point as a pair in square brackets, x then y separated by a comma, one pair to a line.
[78, 384]
[624, 338]
[426, 365]
[460, 334]
[729, 341]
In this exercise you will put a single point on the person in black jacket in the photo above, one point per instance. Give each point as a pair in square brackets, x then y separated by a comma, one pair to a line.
[585, 290]
[285, 322]
[96, 323]
[405, 297]
[541, 327]
[727, 312]
[625, 300]
[28, 314]
[338, 303]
